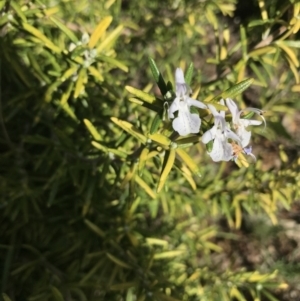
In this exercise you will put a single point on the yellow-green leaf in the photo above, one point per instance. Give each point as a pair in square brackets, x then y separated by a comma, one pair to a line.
[141, 94]
[128, 176]
[157, 241]
[70, 111]
[188, 161]
[289, 52]
[109, 39]
[160, 139]
[169, 254]
[68, 73]
[235, 293]
[79, 87]
[65, 96]
[262, 50]
[95, 72]
[100, 146]
[107, 150]
[167, 166]
[100, 29]
[144, 185]
[142, 160]
[129, 128]
[50, 90]
[186, 173]
[35, 32]
[96, 135]
[114, 62]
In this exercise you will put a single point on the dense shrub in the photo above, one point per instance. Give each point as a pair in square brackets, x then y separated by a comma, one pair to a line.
[100, 198]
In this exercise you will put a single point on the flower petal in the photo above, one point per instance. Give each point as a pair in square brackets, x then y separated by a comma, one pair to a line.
[213, 110]
[221, 151]
[181, 87]
[230, 134]
[233, 109]
[228, 151]
[179, 77]
[244, 136]
[196, 103]
[173, 108]
[247, 122]
[209, 135]
[186, 123]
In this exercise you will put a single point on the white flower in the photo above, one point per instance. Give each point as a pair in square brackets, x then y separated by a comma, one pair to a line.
[240, 124]
[220, 133]
[186, 122]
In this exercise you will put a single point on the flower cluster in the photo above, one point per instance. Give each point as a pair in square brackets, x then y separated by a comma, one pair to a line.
[228, 139]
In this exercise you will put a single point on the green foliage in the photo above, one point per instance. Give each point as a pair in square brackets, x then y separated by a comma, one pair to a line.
[100, 198]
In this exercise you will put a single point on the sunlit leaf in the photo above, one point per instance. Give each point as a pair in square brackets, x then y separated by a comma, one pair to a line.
[99, 30]
[167, 166]
[35, 32]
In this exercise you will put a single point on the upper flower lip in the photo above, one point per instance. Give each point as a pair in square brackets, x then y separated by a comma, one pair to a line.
[236, 113]
[220, 133]
[186, 122]
[181, 87]
[240, 124]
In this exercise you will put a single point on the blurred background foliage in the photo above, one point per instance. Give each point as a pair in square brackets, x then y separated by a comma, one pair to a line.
[81, 218]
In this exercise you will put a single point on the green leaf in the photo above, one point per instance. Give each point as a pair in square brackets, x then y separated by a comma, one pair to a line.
[64, 29]
[155, 123]
[237, 89]
[154, 107]
[113, 62]
[37, 68]
[51, 89]
[5, 297]
[189, 74]
[145, 186]
[118, 261]
[18, 10]
[269, 296]
[295, 44]
[158, 77]
[57, 294]
[258, 73]
[93, 271]
[129, 128]
[94, 228]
